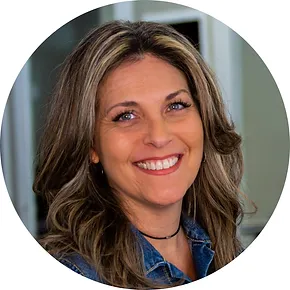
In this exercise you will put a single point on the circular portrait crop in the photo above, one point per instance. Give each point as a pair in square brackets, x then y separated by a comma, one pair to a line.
[149, 158]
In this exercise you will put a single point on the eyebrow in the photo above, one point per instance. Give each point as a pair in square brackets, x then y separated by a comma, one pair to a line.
[135, 104]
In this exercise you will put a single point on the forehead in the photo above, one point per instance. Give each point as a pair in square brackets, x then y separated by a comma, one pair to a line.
[144, 78]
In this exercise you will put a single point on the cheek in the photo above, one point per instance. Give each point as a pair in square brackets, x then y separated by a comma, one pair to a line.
[198, 131]
[115, 148]
[192, 133]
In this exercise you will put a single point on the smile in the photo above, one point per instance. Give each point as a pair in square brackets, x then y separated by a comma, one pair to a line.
[158, 165]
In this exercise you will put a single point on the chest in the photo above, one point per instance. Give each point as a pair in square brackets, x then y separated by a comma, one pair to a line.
[183, 260]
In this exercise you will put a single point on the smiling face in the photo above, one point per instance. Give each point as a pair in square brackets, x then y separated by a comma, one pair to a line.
[149, 135]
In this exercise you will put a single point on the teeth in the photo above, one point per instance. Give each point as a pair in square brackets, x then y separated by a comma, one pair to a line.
[166, 164]
[158, 165]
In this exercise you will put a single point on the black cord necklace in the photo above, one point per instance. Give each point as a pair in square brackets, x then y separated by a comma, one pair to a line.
[162, 238]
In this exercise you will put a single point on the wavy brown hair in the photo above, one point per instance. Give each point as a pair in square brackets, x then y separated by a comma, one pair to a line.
[84, 215]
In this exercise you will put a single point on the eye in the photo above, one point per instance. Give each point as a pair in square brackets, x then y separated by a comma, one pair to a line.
[177, 106]
[125, 116]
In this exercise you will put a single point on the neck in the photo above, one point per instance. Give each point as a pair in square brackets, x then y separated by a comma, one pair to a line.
[165, 237]
[159, 222]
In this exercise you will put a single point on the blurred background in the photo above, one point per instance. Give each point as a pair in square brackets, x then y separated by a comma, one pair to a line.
[250, 93]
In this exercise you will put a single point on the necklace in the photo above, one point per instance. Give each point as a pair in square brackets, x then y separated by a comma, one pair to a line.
[162, 238]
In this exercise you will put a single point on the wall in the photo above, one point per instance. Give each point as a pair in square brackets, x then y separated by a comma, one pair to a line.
[266, 140]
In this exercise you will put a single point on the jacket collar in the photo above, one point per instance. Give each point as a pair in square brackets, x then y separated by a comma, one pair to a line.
[153, 259]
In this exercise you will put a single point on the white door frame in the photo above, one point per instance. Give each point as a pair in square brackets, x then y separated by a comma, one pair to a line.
[17, 149]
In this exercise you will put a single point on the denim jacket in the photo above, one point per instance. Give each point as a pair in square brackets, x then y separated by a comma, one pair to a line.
[156, 267]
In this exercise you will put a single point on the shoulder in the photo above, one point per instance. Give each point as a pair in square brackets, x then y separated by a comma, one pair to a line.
[79, 265]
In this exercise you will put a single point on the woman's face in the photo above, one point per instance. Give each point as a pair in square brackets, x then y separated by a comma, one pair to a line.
[149, 135]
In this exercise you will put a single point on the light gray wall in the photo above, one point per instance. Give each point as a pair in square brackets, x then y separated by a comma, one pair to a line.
[266, 140]
[106, 13]
[147, 6]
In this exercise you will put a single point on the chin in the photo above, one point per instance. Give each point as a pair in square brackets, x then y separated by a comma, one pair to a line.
[167, 200]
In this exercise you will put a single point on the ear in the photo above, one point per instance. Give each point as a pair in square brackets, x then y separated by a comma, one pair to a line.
[94, 156]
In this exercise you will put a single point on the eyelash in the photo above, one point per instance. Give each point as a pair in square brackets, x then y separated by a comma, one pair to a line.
[119, 116]
[180, 102]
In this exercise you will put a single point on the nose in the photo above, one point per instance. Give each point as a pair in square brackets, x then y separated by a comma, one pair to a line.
[158, 133]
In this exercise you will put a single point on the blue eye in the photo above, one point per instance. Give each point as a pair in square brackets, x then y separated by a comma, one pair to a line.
[125, 116]
[177, 106]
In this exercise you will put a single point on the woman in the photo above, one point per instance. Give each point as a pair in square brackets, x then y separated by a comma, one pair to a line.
[139, 164]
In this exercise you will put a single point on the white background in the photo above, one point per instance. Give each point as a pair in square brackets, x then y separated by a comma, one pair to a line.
[26, 24]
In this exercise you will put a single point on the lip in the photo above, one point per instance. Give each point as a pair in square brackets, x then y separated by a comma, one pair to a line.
[162, 171]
